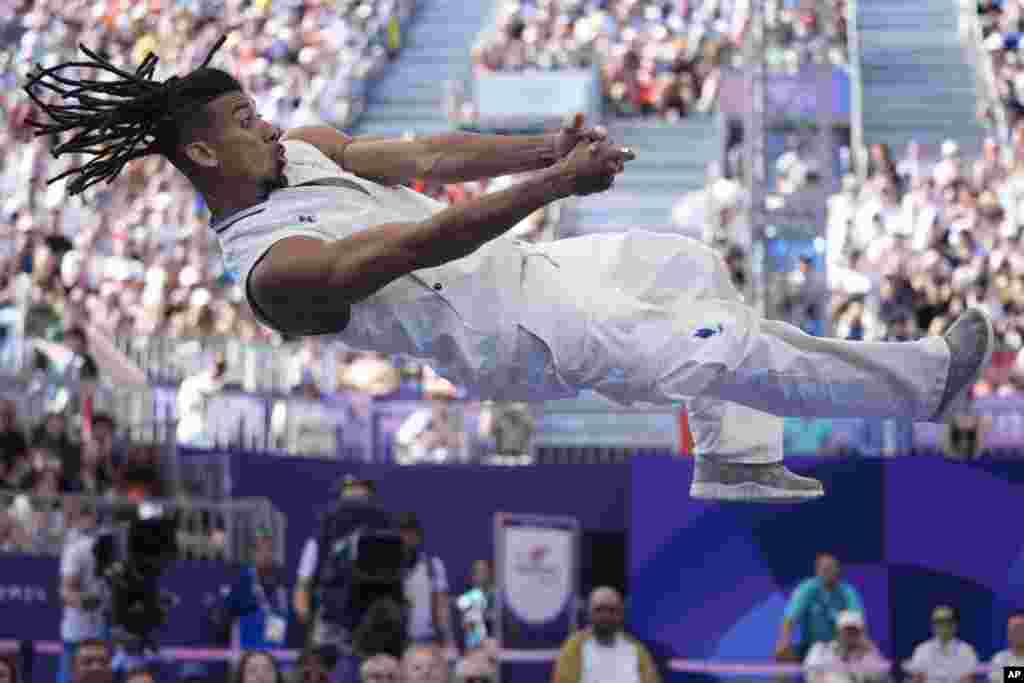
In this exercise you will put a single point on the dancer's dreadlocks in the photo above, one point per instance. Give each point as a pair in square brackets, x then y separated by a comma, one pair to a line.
[125, 118]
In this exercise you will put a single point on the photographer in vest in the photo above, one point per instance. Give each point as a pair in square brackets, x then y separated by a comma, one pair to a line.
[330, 594]
[426, 589]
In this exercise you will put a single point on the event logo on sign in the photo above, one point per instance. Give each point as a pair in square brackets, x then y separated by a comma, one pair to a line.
[537, 567]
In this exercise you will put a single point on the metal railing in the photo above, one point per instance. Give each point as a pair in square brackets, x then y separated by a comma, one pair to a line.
[222, 531]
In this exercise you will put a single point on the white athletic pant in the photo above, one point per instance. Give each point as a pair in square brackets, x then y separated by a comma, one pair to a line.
[650, 317]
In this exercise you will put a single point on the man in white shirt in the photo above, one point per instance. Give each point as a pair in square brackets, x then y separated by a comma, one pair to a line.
[81, 592]
[945, 658]
[426, 589]
[1014, 655]
[604, 652]
[850, 658]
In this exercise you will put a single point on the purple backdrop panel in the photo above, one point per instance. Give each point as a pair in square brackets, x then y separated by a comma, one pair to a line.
[941, 504]
[29, 598]
[31, 608]
[455, 503]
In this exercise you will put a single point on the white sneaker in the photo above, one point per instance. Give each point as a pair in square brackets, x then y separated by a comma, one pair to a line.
[741, 483]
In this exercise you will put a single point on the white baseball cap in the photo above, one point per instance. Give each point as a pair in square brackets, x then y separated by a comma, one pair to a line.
[950, 148]
[850, 619]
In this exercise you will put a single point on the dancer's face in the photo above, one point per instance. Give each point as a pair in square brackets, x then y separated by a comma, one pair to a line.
[237, 144]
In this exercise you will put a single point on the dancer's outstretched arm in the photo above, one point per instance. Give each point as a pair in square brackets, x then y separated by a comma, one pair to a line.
[448, 157]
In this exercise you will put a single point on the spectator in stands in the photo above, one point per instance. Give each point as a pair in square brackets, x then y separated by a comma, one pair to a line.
[38, 509]
[257, 666]
[477, 607]
[8, 670]
[825, 663]
[314, 665]
[95, 475]
[259, 599]
[475, 667]
[591, 653]
[193, 672]
[194, 395]
[82, 519]
[51, 437]
[138, 482]
[432, 434]
[93, 661]
[369, 372]
[81, 592]
[989, 170]
[808, 297]
[141, 674]
[882, 169]
[948, 171]
[13, 537]
[426, 589]
[380, 669]
[424, 663]
[814, 607]
[13, 446]
[964, 437]
[945, 658]
[1014, 655]
[82, 367]
[510, 424]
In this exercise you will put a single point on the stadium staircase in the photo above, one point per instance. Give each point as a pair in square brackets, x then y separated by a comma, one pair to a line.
[436, 47]
[672, 159]
[918, 82]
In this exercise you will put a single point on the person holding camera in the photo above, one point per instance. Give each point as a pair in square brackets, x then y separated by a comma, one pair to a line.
[82, 592]
[353, 562]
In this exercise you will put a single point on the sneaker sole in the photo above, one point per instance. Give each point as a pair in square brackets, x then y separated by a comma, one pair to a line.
[750, 492]
[958, 399]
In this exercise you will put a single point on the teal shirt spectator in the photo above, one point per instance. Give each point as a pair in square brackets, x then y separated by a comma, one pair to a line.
[805, 436]
[813, 609]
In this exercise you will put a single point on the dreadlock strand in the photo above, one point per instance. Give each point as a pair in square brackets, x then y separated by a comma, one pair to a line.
[115, 120]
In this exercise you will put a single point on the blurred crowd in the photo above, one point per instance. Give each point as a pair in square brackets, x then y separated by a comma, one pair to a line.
[925, 237]
[41, 463]
[1001, 24]
[658, 57]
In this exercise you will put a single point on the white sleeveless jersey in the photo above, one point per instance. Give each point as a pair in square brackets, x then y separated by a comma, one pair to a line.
[461, 316]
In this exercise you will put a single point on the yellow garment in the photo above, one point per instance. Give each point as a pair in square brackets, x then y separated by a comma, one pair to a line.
[569, 667]
[394, 34]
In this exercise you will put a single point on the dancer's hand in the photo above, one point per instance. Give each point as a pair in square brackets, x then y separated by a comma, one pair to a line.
[592, 166]
[573, 133]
